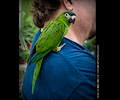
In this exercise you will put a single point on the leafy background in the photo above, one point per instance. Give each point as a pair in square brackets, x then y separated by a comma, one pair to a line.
[27, 31]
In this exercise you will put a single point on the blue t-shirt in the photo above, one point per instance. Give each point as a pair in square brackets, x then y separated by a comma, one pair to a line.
[69, 74]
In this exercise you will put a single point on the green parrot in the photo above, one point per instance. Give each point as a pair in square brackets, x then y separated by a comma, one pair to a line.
[49, 40]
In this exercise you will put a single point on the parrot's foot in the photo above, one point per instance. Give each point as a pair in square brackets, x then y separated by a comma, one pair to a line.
[59, 48]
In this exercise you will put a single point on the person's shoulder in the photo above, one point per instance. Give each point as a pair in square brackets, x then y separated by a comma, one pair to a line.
[60, 62]
[55, 59]
[60, 58]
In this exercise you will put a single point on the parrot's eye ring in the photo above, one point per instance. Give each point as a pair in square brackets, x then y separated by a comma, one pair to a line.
[66, 14]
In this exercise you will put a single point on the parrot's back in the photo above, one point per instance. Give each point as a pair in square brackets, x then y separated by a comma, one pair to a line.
[48, 40]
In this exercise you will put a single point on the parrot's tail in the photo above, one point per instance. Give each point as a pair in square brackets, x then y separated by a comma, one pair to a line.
[36, 73]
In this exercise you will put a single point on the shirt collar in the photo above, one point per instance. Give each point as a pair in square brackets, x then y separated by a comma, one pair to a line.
[78, 46]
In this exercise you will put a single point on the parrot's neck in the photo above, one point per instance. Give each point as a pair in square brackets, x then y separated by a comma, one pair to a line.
[63, 21]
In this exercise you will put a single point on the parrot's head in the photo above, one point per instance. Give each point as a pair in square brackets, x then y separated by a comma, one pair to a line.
[68, 17]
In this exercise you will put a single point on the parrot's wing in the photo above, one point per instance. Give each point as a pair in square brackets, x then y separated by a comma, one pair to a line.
[39, 39]
[51, 36]
[49, 39]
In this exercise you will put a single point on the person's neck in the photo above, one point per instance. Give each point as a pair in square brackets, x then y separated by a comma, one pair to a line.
[75, 36]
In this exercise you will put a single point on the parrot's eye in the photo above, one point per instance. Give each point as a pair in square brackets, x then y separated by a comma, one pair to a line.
[67, 15]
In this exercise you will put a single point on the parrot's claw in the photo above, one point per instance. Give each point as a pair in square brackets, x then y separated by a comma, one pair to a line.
[59, 48]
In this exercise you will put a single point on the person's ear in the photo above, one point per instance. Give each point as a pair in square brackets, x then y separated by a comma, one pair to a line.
[68, 4]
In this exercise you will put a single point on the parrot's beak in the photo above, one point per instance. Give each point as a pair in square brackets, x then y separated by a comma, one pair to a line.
[72, 19]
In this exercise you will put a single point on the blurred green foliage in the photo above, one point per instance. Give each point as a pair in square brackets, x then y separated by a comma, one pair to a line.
[91, 45]
[25, 6]
[27, 32]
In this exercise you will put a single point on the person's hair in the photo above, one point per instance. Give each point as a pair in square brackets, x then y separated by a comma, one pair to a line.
[43, 10]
